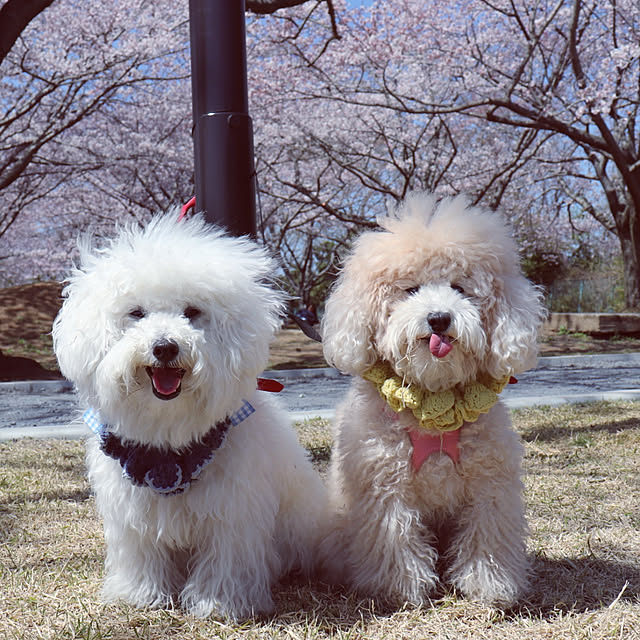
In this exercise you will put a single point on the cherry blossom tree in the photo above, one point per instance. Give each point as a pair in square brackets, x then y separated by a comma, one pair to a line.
[68, 66]
[333, 147]
[15, 15]
[578, 76]
[562, 74]
[95, 122]
[351, 108]
[573, 70]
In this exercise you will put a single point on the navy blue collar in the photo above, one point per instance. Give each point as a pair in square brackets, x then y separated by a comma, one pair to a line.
[165, 471]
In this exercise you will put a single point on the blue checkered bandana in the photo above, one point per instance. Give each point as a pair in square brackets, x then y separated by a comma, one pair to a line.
[167, 472]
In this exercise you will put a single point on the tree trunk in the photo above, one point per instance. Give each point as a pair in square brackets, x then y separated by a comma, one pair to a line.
[15, 15]
[627, 229]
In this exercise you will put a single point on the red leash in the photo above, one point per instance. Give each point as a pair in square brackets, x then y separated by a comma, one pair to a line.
[266, 384]
[186, 208]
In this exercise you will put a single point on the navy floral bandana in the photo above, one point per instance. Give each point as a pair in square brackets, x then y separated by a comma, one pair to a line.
[165, 471]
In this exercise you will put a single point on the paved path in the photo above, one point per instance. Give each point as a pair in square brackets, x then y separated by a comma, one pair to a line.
[49, 409]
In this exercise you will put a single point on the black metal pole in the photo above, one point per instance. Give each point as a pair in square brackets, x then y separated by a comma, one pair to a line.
[223, 133]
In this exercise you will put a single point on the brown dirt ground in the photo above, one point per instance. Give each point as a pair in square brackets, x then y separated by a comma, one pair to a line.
[27, 312]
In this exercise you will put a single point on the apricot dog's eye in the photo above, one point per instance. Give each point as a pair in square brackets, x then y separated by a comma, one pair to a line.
[412, 290]
[191, 313]
[458, 288]
[137, 314]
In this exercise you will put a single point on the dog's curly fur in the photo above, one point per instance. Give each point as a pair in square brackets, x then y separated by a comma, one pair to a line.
[253, 512]
[395, 530]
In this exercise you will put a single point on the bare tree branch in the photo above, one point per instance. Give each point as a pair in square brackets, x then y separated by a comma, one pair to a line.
[15, 15]
[265, 7]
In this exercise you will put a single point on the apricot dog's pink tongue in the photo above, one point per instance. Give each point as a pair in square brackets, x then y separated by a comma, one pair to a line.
[439, 345]
[166, 380]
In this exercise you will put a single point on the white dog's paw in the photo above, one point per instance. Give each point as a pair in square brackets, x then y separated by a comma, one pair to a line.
[485, 580]
[139, 593]
[233, 608]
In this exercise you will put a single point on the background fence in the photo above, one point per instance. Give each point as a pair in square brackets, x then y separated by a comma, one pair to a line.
[590, 295]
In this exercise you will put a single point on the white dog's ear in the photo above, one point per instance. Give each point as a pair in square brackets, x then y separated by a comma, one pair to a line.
[347, 324]
[76, 335]
[515, 315]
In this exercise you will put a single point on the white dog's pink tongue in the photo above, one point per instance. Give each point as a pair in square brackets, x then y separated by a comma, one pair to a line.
[166, 380]
[439, 345]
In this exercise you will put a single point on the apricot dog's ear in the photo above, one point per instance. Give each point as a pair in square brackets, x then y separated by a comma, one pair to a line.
[349, 320]
[514, 318]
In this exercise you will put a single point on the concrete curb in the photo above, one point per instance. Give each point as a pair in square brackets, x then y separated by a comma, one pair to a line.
[64, 431]
[556, 401]
[591, 360]
[36, 386]
[75, 431]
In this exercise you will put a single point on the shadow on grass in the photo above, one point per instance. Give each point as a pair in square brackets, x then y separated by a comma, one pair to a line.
[558, 432]
[331, 609]
[579, 585]
[12, 505]
[77, 495]
[559, 586]
[27, 476]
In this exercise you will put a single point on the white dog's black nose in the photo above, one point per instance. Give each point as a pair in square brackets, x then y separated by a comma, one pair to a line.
[439, 321]
[166, 350]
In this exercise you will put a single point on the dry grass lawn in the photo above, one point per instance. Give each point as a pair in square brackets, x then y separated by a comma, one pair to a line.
[582, 478]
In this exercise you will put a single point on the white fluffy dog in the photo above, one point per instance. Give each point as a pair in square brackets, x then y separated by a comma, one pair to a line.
[433, 316]
[207, 496]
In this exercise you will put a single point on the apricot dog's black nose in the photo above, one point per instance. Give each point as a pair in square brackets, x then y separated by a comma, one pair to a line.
[166, 350]
[439, 321]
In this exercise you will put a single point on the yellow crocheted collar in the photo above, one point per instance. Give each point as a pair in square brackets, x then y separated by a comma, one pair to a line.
[440, 410]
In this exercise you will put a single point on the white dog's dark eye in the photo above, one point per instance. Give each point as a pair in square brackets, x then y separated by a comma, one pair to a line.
[191, 313]
[412, 290]
[137, 313]
[458, 288]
